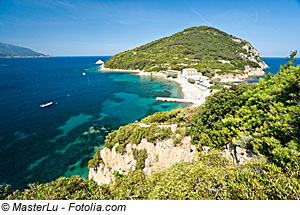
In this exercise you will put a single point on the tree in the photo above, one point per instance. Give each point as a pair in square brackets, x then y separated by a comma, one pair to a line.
[290, 61]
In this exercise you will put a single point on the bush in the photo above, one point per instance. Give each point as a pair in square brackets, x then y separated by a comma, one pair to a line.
[216, 87]
[172, 76]
[213, 177]
[172, 116]
[5, 191]
[140, 156]
[95, 161]
[74, 188]
[120, 136]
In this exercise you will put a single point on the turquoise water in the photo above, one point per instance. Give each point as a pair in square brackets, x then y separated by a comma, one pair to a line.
[39, 145]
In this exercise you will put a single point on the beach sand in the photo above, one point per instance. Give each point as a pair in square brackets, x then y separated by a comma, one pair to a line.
[190, 91]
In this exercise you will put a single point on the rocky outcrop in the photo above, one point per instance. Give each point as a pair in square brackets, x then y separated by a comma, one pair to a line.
[254, 71]
[247, 74]
[253, 55]
[234, 153]
[160, 156]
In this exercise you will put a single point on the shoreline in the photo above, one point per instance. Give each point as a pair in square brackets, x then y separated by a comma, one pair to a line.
[189, 91]
[120, 70]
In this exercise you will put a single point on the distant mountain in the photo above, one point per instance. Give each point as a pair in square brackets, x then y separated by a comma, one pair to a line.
[8, 50]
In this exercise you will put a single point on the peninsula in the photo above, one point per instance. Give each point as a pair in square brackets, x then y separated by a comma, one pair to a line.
[11, 51]
[207, 49]
[201, 59]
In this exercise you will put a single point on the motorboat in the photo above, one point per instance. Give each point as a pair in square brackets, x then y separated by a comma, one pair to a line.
[46, 105]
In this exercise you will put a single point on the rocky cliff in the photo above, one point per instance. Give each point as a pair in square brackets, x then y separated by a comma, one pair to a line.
[159, 156]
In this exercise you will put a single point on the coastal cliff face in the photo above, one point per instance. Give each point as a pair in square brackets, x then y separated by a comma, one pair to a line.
[159, 156]
[249, 71]
[243, 75]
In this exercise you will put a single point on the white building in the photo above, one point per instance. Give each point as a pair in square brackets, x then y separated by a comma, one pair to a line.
[189, 71]
[195, 76]
[100, 62]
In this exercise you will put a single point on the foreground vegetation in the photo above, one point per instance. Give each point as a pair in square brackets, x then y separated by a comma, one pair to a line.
[210, 177]
[263, 118]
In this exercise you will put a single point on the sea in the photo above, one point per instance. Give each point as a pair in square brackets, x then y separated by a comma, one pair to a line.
[42, 144]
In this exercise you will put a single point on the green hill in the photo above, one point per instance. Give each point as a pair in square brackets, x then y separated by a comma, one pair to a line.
[204, 48]
[8, 50]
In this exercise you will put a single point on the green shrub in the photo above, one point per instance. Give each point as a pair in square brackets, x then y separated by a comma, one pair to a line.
[5, 191]
[74, 188]
[216, 87]
[172, 76]
[173, 116]
[140, 156]
[95, 161]
[120, 136]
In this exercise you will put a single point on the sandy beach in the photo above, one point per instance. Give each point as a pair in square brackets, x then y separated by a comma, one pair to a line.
[190, 91]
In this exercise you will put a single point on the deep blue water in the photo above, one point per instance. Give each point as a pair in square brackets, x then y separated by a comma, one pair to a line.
[39, 145]
[274, 65]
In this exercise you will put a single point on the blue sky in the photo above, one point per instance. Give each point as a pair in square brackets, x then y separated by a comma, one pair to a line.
[102, 27]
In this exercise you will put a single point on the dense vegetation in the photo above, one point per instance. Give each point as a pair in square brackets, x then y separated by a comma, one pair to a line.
[199, 47]
[263, 118]
[7, 50]
[210, 177]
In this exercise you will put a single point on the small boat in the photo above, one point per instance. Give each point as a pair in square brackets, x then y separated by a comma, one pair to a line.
[46, 105]
[83, 73]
